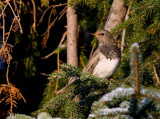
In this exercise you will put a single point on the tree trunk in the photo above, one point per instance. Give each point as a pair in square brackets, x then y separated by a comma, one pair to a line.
[116, 15]
[72, 36]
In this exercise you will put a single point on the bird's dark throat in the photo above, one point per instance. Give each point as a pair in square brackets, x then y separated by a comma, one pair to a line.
[111, 52]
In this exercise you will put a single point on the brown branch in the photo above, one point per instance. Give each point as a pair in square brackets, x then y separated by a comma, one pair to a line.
[44, 74]
[124, 30]
[2, 13]
[15, 6]
[56, 87]
[65, 87]
[58, 64]
[141, 7]
[136, 72]
[9, 31]
[34, 15]
[7, 74]
[49, 88]
[62, 39]
[93, 47]
[49, 27]
[62, 12]
[21, 31]
[82, 62]
[52, 6]
[149, 96]
[156, 75]
[3, 30]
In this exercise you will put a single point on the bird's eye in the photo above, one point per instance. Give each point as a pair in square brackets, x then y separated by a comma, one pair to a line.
[101, 34]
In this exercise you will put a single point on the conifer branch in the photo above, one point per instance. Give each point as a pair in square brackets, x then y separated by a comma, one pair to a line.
[136, 72]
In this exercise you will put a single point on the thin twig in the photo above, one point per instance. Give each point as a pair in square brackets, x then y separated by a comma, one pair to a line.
[8, 34]
[3, 10]
[49, 27]
[52, 6]
[156, 75]
[34, 15]
[21, 31]
[62, 13]
[58, 64]
[93, 47]
[124, 30]
[44, 74]
[15, 6]
[7, 74]
[82, 62]
[65, 87]
[136, 73]
[149, 96]
[3, 30]
[49, 88]
[62, 39]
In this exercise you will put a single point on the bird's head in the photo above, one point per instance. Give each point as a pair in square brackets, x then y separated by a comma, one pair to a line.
[105, 37]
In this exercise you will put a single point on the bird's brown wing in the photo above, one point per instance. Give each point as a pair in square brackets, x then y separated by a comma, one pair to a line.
[92, 62]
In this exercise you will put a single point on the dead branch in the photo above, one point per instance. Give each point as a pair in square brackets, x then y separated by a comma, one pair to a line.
[52, 6]
[16, 17]
[62, 13]
[49, 27]
[62, 39]
[93, 47]
[2, 13]
[156, 75]
[34, 15]
[124, 30]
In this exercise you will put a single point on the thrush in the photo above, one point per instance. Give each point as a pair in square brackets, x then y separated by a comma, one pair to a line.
[106, 58]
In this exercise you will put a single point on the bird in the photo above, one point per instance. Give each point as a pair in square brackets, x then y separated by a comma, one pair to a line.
[104, 61]
[106, 58]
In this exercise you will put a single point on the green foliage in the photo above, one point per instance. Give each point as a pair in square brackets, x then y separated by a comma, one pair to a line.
[143, 27]
[19, 116]
[44, 3]
[126, 103]
[31, 54]
[91, 13]
[76, 101]
[42, 115]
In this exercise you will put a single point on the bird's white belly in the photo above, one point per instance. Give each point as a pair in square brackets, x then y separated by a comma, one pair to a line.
[106, 67]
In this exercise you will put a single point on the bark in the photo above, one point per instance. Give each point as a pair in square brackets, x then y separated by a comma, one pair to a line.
[116, 15]
[72, 36]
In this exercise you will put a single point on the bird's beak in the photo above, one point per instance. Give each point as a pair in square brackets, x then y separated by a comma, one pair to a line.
[94, 34]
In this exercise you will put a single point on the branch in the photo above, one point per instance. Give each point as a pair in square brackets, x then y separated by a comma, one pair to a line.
[21, 30]
[124, 31]
[53, 52]
[3, 10]
[136, 72]
[52, 6]
[156, 75]
[34, 15]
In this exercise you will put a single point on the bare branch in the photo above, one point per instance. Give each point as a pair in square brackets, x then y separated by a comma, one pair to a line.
[52, 6]
[62, 39]
[124, 31]
[156, 75]
[21, 30]
[3, 10]
[34, 15]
